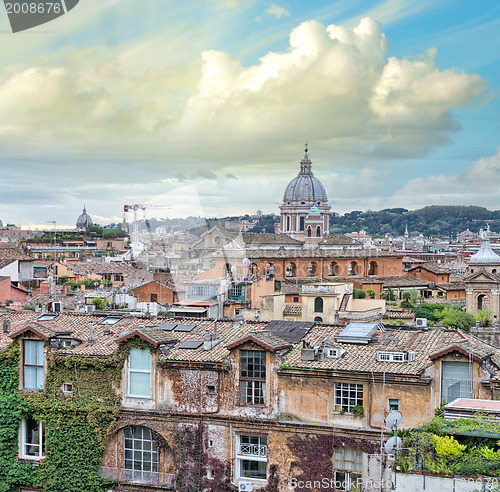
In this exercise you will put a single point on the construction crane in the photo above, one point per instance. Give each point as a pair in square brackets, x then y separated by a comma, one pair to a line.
[135, 208]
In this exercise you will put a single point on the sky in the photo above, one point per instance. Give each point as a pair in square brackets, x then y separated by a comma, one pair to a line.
[204, 106]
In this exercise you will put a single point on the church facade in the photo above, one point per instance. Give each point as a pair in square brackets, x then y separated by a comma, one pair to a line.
[482, 279]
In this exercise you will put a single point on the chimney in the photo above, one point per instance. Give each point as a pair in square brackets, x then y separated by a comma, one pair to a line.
[6, 326]
[106, 330]
[91, 339]
[211, 338]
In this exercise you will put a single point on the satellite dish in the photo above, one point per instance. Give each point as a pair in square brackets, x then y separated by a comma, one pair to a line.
[394, 419]
[233, 269]
[246, 262]
[393, 444]
[50, 278]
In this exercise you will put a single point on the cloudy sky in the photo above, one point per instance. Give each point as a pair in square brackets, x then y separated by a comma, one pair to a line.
[205, 106]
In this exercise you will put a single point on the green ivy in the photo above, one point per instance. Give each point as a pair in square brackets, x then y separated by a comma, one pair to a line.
[13, 472]
[76, 426]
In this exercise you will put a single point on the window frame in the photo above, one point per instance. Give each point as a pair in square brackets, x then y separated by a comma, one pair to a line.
[131, 371]
[260, 457]
[253, 381]
[339, 396]
[392, 403]
[348, 468]
[36, 366]
[23, 442]
[154, 452]
[318, 304]
[465, 385]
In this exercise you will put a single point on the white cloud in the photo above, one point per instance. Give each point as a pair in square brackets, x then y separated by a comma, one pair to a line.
[277, 11]
[120, 113]
[476, 185]
[332, 83]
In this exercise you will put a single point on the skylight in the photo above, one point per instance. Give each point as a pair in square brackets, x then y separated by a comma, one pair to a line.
[110, 320]
[47, 317]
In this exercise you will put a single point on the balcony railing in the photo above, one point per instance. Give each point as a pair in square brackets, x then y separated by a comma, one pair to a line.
[120, 475]
[370, 314]
[253, 450]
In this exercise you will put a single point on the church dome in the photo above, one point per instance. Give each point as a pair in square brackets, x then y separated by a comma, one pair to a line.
[314, 211]
[485, 254]
[84, 220]
[305, 187]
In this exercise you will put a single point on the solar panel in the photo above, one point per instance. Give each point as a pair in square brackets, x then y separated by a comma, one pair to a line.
[290, 331]
[191, 344]
[184, 327]
[167, 326]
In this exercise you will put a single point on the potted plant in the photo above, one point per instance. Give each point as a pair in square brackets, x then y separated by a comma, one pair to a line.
[358, 411]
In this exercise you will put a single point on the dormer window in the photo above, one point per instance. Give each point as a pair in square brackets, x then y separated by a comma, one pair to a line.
[253, 377]
[33, 364]
[385, 356]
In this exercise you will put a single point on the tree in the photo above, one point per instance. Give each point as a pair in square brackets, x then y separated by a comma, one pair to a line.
[484, 316]
[451, 318]
[98, 303]
[358, 294]
[371, 293]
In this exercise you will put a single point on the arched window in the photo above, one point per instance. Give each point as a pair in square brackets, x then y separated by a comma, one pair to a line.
[333, 269]
[318, 231]
[291, 270]
[318, 319]
[353, 268]
[373, 268]
[309, 231]
[288, 223]
[482, 301]
[318, 305]
[141, 453]
[312, 269]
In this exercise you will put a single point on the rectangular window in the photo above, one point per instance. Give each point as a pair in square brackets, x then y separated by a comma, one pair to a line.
[456, 381]
[67, 388]
[139, 373]
[391, 356]
[154, 298]
[33, 364]
[347, 396]
[393, 404]
[32, 439]
[348, 467]
[251, 457]
[236, 291]
[253, 377]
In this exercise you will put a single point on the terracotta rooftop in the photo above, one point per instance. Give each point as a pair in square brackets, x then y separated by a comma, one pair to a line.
[426, 344]
[9, 252]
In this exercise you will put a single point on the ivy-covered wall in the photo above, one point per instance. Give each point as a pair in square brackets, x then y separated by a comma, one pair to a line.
[75, 426]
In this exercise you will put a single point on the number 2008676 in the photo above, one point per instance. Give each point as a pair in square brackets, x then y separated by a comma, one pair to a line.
[33, 8]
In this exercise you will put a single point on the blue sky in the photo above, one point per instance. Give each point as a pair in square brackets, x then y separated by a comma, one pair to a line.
[206, 105]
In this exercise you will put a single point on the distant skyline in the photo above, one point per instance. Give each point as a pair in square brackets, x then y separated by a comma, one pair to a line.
[206, 105]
